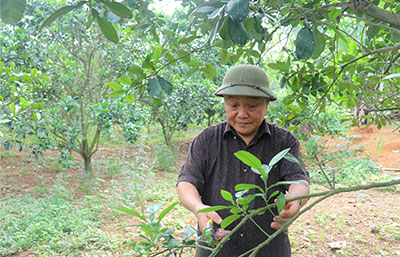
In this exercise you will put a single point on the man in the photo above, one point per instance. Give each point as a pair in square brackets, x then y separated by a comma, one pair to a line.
[212, 166]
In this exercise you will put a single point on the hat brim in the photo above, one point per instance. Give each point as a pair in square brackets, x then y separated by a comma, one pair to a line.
[240, 90]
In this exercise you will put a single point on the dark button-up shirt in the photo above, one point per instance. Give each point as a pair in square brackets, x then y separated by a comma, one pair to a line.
[212, 166]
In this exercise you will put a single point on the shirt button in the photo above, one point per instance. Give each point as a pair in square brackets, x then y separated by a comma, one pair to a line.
[241, 235]
[245, 170]
[234, 137]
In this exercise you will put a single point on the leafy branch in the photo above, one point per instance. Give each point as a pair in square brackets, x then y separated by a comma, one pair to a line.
[342, 68]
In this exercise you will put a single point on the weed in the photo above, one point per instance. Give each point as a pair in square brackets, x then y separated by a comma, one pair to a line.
[49, 224]
[7, 153]
[166, 158]
[323, 219]
[389, 231]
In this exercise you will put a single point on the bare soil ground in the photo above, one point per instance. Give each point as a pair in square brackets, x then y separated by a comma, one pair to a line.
[356, 223]
[364, 223]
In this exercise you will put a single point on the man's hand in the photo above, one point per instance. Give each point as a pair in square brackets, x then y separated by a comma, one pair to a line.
[289, 211]
[203, 218]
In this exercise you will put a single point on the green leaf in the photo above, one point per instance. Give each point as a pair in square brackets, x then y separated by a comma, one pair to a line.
[228, 220]
[157, 101]
[215, 13]
[154, 88]
[290, 157]
[240, 187]
[12, 108]
[89, 21]
[136, 69]
[114, 85]
[248, 159]
[125, 81]
[340, 35]
[205, 9]
[278, 157]
[280, 202]
[119, 9]
[255, 30]
[154, 207]
[227, 196]
[166, 210]
[305, 44]
[130, 98]
[334, 13]
[214, 32]
[187, 40]
[351, 103]
[273, 194]
[5, 121]
[235, 210]
[209, 71]
[107, 29]
[34, 117]
[319, 39]
[288, 183]
[157, 53]
[237, 32]
[214, 208]
[165, 85]
[246, 200]
[131, 212]
[238, 10]
[172, 243]
[265, 169]
[189, 232]
[132, 244]
[117, 92]
[184, 55]
[195, 64]
[60, 12]
[11, 11]
[281, 66]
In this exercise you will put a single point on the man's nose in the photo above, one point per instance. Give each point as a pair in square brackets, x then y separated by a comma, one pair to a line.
[242, 113]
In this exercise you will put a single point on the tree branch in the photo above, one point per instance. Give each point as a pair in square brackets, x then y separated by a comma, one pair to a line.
[377, 13]
[323, 195]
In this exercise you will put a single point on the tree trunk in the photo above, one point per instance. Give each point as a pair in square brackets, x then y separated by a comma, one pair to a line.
[88, 167]
[167, 136]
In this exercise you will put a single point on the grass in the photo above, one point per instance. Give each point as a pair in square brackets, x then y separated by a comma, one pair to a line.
[343, 167]
[51, 225]
[51, 221]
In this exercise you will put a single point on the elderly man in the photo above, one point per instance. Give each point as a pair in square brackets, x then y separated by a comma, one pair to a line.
[212, 166]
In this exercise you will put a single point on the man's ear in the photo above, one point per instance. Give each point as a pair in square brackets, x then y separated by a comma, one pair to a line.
[268, 101]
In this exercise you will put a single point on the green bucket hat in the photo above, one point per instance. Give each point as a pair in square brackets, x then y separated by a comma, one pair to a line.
[246, 80]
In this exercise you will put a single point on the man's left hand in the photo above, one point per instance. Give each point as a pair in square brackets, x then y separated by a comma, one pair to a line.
[289, 211]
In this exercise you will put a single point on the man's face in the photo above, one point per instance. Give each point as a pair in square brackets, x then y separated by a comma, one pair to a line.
[245, 114]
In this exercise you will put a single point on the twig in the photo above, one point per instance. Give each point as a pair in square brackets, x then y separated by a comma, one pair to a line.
[392, 169]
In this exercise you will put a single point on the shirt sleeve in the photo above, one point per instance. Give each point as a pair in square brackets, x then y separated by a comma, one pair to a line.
[193, 169]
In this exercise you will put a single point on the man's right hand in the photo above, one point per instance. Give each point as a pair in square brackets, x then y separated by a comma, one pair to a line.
[191, 199]
[204, 217]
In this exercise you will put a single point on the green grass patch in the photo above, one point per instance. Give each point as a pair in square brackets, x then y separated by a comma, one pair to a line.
[50, 225]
